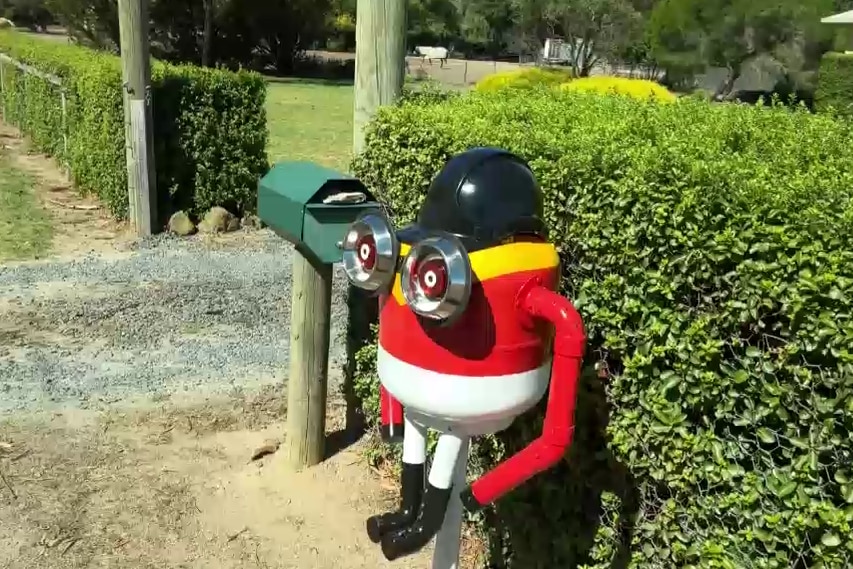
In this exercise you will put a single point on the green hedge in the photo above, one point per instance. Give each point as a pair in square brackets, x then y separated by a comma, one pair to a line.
[710, 251]
[210, 127]
[835, 83]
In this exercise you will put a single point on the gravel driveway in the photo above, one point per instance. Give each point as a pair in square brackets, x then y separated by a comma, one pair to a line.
[167, 316]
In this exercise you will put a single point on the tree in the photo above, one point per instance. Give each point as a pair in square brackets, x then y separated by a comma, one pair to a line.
[533, 23]
[340, 25]
[207, 38]
[91, 22]
[262, 34]
[488, 24]
[594, 30]
[687, 36]
[269, 34]
[177, 31]
[432, 22]
[32, 14]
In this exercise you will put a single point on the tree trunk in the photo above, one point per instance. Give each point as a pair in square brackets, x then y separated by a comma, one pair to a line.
[725, 90]
[207, 39]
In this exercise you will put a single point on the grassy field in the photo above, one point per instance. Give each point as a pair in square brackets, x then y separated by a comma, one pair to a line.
[23, 223]
[310, 120]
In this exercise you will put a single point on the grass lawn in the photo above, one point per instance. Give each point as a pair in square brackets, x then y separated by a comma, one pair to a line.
[310, 120]
[24, 226]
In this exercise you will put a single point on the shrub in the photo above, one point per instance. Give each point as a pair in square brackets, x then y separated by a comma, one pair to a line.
[525, 78]
[209, 125]
[428, 91]
[835, 84]
[636, 88]
[709, 249]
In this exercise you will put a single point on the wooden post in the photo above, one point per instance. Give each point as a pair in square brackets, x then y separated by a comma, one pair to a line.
[2, 90]
[207, 37]
[139, 141]
[64, 105]
[380, 60]
[310, 315]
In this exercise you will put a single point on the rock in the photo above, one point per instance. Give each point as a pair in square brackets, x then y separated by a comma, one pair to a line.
[269, 448]
[218, 220]
[180, 224]
[233, 224]
[250, 221]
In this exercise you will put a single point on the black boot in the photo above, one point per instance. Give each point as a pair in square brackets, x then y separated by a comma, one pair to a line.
[411, 492]
[408, 540]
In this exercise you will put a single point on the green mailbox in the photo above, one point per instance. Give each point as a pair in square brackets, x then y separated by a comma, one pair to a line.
[291, 200]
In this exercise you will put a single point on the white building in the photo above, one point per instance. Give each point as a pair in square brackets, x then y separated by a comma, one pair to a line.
[844, 18]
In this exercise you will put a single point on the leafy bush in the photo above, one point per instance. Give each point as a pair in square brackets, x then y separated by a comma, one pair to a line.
[209, 126]
[637, 88]
[427, 91]
[525, 78]
[835, 83]
[709, 249]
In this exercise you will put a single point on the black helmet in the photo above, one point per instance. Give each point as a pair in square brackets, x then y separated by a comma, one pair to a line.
[482, 196]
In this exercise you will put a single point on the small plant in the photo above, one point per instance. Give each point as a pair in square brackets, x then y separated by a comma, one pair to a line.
[636, 88]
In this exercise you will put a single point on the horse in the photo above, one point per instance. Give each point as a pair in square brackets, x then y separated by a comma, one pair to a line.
[430, 53]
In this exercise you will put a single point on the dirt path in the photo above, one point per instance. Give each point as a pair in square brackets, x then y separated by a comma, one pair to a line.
[172, 485]
[81, 225]
[136, 380]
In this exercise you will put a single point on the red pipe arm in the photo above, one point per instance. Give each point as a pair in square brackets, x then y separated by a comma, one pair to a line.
[391, 416]
[559, 424]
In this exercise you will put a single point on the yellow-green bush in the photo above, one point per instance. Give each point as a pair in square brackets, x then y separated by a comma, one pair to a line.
[709, 249]
[524, 78]
[210, 127]
[636, 88]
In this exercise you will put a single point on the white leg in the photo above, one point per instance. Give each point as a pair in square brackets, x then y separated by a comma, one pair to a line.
[414, 442]
[444, 460]
[447, 542]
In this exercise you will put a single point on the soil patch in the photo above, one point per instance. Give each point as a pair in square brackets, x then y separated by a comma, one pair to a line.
[173, 485]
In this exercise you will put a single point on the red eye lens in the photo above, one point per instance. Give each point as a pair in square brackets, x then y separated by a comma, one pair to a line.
[366, 250]
[432, 278]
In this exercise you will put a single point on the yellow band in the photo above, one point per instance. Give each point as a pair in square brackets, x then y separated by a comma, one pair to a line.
[499, 261]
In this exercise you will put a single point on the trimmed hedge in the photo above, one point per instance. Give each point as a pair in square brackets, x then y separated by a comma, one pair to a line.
[637, 88]
[710, 251]
[835, 84]
[210, 129]
[524, 78]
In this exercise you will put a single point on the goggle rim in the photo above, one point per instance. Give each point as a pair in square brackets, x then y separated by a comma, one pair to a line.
[387, 249]
[455, 299]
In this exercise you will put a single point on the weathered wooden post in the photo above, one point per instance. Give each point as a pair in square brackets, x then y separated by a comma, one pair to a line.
[300, 201]
[312, 207]
[2, 90]
[310, 314]
[380, 60]
[136, 74]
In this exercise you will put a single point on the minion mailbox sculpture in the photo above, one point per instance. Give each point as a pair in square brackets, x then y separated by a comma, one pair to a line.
[471, 335]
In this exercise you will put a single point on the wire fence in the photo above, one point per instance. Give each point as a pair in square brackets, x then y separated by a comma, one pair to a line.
[14, 100]
[463, 73]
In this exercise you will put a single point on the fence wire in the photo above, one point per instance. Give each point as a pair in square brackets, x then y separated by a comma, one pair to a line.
[16, 103]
